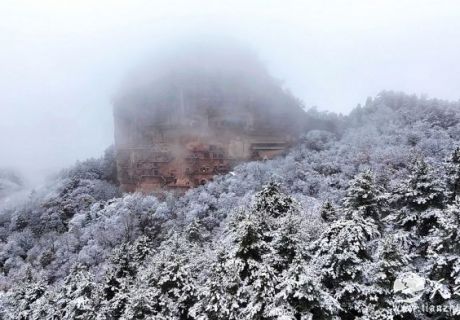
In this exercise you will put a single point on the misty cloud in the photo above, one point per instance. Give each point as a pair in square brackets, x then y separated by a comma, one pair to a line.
[207, 73]
[61, 63]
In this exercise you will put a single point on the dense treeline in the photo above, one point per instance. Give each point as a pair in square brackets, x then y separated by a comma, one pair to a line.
[323, 232]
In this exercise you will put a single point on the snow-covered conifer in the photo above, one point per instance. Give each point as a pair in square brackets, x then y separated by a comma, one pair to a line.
[23, 298]
[328, 212]
[453, 173]
[287, 241]
[342, 253]
[77, 299]
[422, 188]
[272, 201]
[222, 295]
[301, 294]
[364, 197]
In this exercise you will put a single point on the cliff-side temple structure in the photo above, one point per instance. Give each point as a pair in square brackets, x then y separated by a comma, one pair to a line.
[197, 115]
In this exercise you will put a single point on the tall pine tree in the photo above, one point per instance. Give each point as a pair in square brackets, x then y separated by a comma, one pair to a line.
[453, 174]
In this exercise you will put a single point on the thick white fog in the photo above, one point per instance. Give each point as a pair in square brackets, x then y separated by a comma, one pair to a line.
[61, 62]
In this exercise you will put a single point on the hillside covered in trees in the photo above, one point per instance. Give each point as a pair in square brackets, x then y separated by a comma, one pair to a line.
[321, 233]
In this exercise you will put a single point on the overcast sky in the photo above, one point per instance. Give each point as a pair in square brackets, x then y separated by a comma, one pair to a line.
[62, 61]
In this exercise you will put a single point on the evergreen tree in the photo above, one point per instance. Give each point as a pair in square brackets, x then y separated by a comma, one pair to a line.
[196, 232]
[328, 212]
[365, 198]
[443, 256]
[221, 297]
[27, 293]
[419, 199]
[391, 258]
[265, 240]
[249, 233]
[117, 280]
[272, 201]
[287, 240]
[343, 256]
[250, 256]
[422, 189]
[169, 281]
[345, 252]
[260, 287]
[138, 251]
[453, 174]
[141, 303]
[124, 265]
[77, 298]
[114, 307]
[301, 295]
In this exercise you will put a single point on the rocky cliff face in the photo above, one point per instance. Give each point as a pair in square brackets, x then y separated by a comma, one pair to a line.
[196, 120]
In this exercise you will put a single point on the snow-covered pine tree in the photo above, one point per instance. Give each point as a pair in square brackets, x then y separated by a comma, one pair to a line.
[391, 258]
[113, 291]
[138, 251]
[21, 300]
[442, 262]
[264, 241]
[279, 221]
[342, 254]
[419, 200]
[328, 212]
[78, 297]
[365, 198]
[453, 174]
[123, 267]
[287, 240]
[141, 304]
[260, 286]
[248, 232]
[196, 232]
[272, 201]
[301, 294]
[168, 280]
[422, 188]
[250, 256]
[115, 307]
[221, 295]
[346, 255]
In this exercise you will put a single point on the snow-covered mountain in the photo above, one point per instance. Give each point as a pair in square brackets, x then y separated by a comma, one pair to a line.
[322, 233]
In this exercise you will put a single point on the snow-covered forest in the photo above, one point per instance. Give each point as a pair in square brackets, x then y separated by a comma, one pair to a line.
[320, 233]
